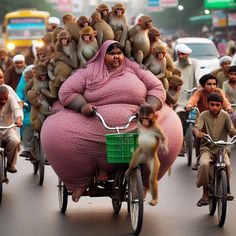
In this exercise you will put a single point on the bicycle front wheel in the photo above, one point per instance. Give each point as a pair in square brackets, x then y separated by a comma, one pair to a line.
[36, 154]
[1, 175]
[62, 196]
[221, 189]
[135, 200]
[189, 142]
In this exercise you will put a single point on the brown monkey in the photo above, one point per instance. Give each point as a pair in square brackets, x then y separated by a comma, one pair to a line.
[58, 72]
[156, 63]
[71, 25]
[83, 21]
[154, 36]
[150, 138]
[55, 32]
[87, 46]
[103, 9]
[139, 43]
[44, 54]
[104, 31]
[172, 94]
[118, 22]
[40, 105]
[68, 46]
[47, 39]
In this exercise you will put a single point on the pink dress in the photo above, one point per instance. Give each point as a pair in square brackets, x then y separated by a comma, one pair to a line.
[75, 145]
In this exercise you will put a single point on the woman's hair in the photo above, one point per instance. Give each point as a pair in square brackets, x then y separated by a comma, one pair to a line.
[232, 69]
[205, 78]
[114, 45]
[214, 97]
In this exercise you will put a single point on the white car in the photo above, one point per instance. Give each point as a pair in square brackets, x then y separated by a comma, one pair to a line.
[204, 50]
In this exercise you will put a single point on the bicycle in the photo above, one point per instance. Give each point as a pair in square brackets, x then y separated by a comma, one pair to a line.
[3, 163]
[120, 147]
[190, 121]
[219, 185]
[38, 159]
[189, 138]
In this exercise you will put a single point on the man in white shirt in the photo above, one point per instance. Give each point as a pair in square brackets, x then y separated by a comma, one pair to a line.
[10, 109]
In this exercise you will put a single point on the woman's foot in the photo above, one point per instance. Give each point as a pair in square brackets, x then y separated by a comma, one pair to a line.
[77, 194]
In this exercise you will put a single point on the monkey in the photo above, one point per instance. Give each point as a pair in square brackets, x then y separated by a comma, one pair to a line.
[156, 63]
[104, 31]
[47, 39]
[118, 22]
[103, 9]
[177, 72]
[44, 54]
[138, 42]
[55, 32]
[83, 21]
[71, 25]
[40, 105]
[87, 46]
[58, 72]
[172, 94]
[150, 138]
[154, 37]
[68, 46]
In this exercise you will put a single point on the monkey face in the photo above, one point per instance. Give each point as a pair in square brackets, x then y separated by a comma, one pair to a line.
[86, 37]
[149, 24]
[104, 11]
[146, 121]
[119, 11]
[64, 41]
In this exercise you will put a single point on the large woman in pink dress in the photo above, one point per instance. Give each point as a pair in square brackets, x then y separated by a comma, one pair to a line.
[74, 139]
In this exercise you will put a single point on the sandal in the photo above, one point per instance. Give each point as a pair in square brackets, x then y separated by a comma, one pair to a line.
[203, 202]
[11, 169]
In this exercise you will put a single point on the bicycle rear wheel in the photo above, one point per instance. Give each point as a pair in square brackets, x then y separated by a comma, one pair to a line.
[1, 175]
[189, 142]
[62, 196]
[221, 189]
[135, 200]
[41, 165]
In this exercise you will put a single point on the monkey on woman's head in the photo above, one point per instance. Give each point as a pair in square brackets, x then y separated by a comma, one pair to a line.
[149, 140]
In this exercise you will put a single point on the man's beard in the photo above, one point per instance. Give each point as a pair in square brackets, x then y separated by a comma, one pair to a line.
[19, 70]
[183, 62]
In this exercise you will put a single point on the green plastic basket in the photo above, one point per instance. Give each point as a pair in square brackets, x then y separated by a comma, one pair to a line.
[120, 147]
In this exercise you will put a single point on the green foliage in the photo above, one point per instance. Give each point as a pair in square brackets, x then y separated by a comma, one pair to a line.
[12, 5]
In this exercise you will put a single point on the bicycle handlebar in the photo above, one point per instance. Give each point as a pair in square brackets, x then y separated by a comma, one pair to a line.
[220, 142]
[117, 128]
[7, 126]
[190, 90]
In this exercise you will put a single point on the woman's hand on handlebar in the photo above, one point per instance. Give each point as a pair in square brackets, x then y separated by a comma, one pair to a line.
[87, 109]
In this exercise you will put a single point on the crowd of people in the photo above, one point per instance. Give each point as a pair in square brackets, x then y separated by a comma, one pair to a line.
[115, 81]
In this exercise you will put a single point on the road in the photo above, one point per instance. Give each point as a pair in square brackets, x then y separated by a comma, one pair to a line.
[31, 210]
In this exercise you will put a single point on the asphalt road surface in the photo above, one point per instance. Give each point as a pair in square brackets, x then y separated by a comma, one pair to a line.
[31, 210]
